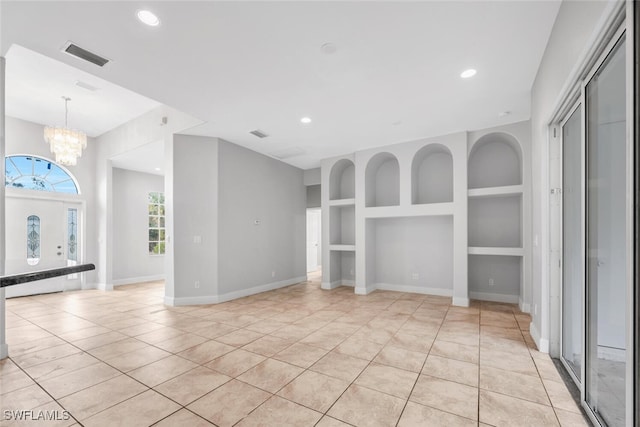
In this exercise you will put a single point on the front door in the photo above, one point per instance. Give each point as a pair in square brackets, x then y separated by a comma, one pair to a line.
[37, 238]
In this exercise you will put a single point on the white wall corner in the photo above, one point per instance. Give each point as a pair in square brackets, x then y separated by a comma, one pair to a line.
[104, 286]
[364, 290]
[541, 343]
[525, 307]
[461, 302]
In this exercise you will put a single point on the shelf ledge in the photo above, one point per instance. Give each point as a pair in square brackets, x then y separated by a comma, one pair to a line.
[476, 250]
[509, 190]
[433, 209]
[342, 202]
[348, 248]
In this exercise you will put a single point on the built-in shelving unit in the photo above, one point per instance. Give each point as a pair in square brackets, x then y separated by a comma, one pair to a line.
[340, 224]
[495, 215]
[442, 216]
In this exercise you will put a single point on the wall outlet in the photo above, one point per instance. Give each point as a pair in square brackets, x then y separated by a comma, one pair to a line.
[273, 274]
[197, 284]
[415, 276]
[491, 282]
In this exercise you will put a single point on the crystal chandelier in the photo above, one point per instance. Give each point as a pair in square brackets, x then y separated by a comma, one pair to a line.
[67, 144]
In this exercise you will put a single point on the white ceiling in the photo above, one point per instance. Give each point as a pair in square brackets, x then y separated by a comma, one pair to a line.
[241, 66]
[148, 158]
[36, 83]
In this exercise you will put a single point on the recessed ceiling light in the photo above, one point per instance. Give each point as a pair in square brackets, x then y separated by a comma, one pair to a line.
[468, 73]
[157, 169]
[148, 17]
[305, 120]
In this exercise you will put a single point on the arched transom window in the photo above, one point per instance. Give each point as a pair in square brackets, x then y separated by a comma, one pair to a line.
[37, 173]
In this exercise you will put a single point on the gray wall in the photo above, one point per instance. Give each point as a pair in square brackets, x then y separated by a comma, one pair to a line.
[313, 196]
[131, 259]
[254, 187]
[195, 217]
[418, 245]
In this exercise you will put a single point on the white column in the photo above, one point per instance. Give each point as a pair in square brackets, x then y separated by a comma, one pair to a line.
[4, 350]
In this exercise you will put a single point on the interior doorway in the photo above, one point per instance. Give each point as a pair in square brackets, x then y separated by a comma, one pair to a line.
[314, 240]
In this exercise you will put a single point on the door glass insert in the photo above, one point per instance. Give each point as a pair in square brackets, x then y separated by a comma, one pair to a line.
[33, 239]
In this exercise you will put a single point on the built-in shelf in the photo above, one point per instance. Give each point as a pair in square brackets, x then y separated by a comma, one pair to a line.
[474, 250]
[342, 202]
[347, 248]
[382, 181]
[432, 209]
[508, 190]
[432, 175]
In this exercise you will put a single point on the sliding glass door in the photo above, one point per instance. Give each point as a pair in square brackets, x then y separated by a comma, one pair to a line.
[597, 240]
[606, 239]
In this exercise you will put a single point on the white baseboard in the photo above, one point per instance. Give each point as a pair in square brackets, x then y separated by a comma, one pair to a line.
[104, 286]
[363, 290]
[141, 279]
[413, 289]
[4, 351]
[337, 284]
[542, 344]
[524, 307]
[461, 302]
[487, 296]
[86, 286]
[612, 354]
[214, 299]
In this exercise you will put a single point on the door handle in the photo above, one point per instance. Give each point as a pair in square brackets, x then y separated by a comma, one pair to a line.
[59, 253]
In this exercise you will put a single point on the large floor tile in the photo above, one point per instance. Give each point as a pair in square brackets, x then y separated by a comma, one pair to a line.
[452, 370]
[236, 362]
[142, 410]
[314, 390]
[192, 385]
[364, 407]
[340, 366]
[229, 403]
[415, 414]
[72, 382]
[446, 396]
[513, 384]
[280, 412]
[500, 410]
[163, 370]
[387, 379]
[270, 375]
[90, 401]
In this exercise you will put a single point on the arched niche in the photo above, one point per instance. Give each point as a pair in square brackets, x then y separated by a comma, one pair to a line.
[342, 180]
[382, 181]
[495, 161]
[432, 175]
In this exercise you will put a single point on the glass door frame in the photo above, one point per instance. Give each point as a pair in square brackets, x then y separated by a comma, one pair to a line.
[624, 21]
[577, 105]
[620, 32]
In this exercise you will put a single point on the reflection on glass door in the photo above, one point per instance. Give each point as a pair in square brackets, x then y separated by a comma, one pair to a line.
[572, 233]
[606, 310]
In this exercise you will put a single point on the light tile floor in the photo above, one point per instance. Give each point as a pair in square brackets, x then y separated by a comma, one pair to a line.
[297, 356]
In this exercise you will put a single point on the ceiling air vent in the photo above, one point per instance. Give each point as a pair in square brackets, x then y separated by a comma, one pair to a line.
[258, 133]
[81, 53]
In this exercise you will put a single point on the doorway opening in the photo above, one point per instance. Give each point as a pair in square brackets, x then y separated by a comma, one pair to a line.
[314, 244]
